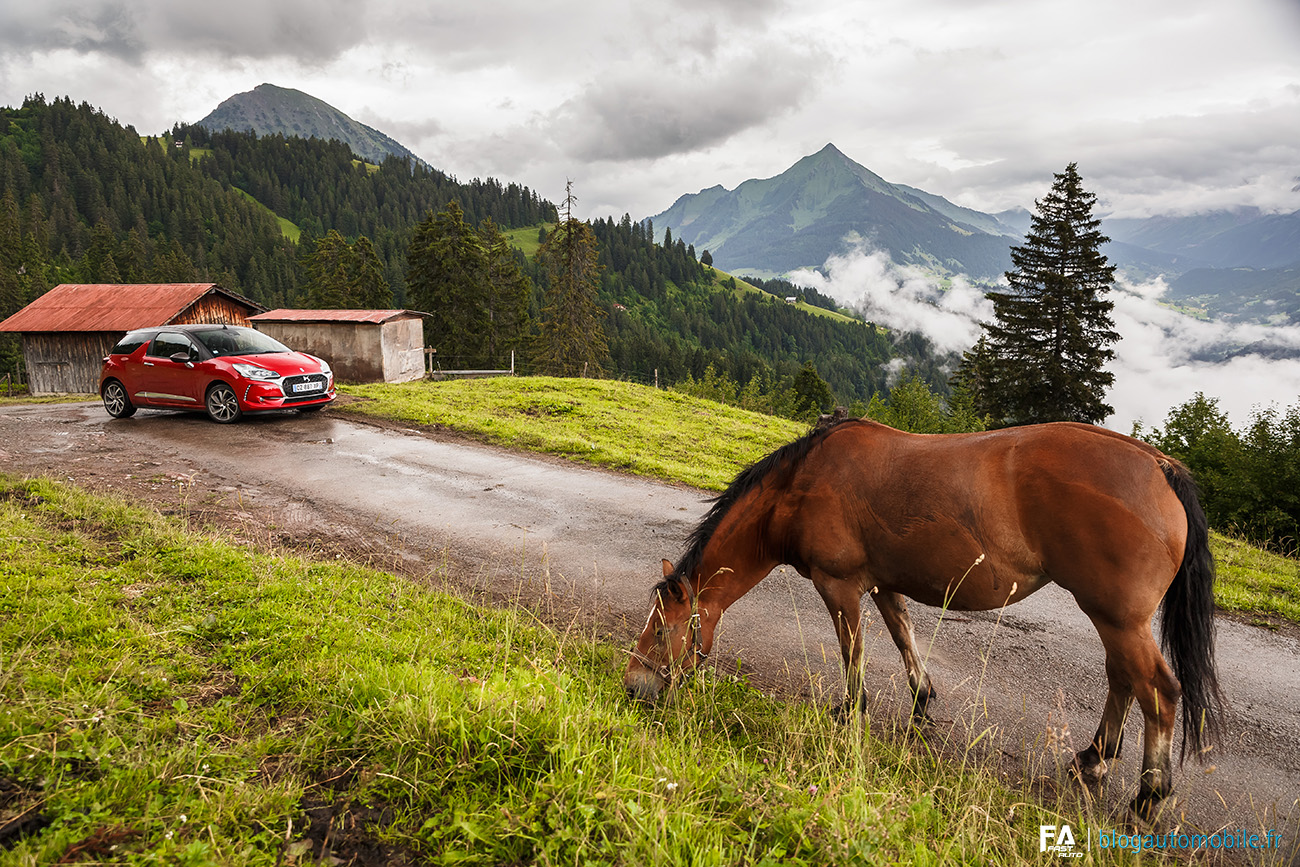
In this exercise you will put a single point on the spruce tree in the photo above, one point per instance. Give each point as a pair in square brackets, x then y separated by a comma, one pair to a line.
[508, 293]
[572, 340]
[470, 280]
[446, 263]
[1043, 358]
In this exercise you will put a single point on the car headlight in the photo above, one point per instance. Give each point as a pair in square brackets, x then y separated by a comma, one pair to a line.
[324, 366]
[252, 371]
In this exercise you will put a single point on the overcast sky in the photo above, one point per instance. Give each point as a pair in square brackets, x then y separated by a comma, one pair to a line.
[1167, 105]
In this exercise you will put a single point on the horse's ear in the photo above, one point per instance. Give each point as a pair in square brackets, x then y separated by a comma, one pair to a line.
[668, 568]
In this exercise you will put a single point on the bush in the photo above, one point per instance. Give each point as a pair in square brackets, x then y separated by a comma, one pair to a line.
[1249, 478]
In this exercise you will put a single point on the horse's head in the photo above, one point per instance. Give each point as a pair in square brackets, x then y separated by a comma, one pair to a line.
[672, 642]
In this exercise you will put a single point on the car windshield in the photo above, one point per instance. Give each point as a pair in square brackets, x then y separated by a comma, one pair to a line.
[239, 341]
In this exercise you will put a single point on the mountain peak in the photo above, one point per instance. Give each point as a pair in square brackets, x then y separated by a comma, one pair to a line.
[269, 109]
[803, 215]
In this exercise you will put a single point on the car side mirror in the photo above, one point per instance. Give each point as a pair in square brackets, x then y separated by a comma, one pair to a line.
[181, 357]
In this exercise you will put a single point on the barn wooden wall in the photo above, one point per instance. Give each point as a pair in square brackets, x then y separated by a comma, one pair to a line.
[214, 309]
[67, 362]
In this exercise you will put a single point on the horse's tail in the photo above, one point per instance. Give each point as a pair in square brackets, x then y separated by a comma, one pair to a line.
[1187, 621]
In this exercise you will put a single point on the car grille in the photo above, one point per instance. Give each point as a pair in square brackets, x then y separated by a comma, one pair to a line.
[291, 395]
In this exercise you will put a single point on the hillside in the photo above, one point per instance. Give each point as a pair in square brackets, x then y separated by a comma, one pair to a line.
[270, 110]
[102, 204]
[802, 216]
[87, 200]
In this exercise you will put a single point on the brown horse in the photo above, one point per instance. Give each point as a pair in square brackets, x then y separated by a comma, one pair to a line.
[969, 522]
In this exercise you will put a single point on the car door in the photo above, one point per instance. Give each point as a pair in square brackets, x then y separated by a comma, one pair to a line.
[164, 380]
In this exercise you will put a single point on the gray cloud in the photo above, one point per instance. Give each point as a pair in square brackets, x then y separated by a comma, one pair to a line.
[310, 30]
[110, 27]
[631, 116]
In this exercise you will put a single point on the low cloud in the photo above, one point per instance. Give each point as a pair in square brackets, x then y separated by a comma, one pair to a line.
[1163, 358]
[901, 297]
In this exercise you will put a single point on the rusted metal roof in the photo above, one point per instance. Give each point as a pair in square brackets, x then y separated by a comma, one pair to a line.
[113, 306]
[363, 316]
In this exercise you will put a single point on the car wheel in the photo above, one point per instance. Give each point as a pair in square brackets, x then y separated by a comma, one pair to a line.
[116, 400]
[223, 406]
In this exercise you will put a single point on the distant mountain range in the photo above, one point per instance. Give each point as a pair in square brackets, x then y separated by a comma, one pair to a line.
[271, 110]
[1233, 263]
[1240, 263]
[800, 217]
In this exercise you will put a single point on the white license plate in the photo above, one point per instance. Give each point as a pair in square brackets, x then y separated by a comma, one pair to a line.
[299, 387]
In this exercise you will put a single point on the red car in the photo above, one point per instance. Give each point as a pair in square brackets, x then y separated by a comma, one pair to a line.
[223, 369]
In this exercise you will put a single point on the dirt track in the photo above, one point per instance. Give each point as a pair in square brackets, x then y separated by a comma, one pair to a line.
[584, 541]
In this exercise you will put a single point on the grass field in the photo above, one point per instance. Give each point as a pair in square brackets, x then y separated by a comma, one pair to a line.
[24, 398]
[669, 436]
[646, 431]
[526, 238]
[288, 228]
[171, 698]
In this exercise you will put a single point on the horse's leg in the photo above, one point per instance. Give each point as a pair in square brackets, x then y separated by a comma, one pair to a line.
[1090, 763]
[844, 602]
[1138, 663]
[893, 608]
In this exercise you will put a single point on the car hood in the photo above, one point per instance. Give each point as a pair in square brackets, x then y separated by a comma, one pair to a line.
[283, 363]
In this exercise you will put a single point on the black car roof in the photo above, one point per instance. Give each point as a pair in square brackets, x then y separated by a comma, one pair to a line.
[208, 326]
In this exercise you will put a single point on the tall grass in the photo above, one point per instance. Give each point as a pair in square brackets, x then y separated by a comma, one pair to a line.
[172, 698]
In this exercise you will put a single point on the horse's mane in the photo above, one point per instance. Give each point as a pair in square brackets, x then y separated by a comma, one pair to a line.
[778, 465]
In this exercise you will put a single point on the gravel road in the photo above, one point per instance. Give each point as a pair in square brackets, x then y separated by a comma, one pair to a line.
[1026, 682]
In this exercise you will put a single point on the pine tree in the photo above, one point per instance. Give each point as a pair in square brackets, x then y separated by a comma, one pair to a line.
[368, 287]
[572, 340]
[445, 267]
[508, 293]
[811, 393]
[343, 276]
[327, 270]
[1044, 356]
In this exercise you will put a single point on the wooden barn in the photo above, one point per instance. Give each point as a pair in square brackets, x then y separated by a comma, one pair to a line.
[67, 331]
[361, 345]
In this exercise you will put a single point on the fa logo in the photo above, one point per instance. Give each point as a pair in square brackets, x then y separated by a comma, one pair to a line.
[1062, 839]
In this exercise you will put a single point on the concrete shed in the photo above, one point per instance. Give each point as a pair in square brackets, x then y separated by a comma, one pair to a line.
[67, 331]
[361, 345]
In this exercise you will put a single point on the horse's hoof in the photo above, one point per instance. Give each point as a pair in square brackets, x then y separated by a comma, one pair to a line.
[1148, 807]
[1090, 774]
